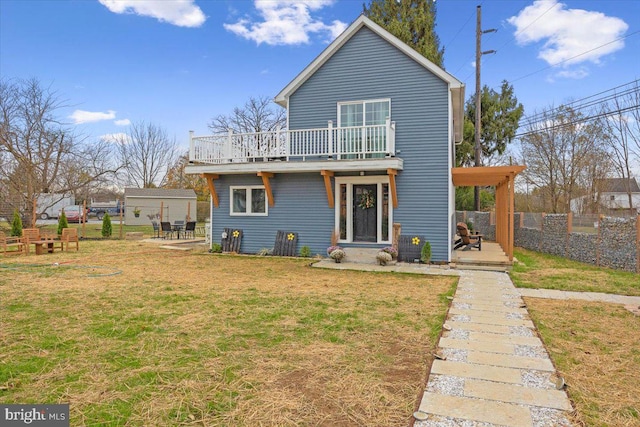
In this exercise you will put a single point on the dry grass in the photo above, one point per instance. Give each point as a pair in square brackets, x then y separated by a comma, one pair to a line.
[595, 346]
[133, 335]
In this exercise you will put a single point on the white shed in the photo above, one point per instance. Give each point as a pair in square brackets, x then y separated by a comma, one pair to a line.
[166, 204]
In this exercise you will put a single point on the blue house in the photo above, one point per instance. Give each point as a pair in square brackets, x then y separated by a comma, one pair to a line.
[370, 142]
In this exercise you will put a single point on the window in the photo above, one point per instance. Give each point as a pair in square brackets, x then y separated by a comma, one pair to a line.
[367, 113]
[248, 201]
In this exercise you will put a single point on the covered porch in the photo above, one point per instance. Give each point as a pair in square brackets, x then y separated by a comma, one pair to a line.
[503, 178]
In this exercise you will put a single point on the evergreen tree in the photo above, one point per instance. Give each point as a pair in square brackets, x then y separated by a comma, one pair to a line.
[62, 222]
[16, 224]
[106, 225]
[501, 113]
[412, 21]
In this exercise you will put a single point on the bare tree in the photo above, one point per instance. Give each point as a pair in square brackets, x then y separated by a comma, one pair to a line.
[147, 153]
[39, 152]
[257, 115]
[565, 156]
[623, 133]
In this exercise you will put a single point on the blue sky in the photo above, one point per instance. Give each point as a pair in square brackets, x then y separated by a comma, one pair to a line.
[180, 63]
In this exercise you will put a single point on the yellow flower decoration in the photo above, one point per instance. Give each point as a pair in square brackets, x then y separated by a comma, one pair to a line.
[236, 233]
[291, 236]
[415, 241]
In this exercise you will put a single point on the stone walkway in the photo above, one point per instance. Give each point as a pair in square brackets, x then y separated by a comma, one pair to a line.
[494, 370]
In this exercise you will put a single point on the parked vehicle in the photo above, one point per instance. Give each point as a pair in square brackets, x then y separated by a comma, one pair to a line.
[113, 210]
[49, 204]
[73, 213]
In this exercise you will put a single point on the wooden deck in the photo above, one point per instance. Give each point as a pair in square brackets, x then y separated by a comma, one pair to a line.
[491, 255]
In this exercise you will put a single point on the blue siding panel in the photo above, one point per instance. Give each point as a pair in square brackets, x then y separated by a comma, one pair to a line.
[300, 206]
[368, 67]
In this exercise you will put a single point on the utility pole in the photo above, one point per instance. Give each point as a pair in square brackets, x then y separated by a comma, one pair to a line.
[479, 53]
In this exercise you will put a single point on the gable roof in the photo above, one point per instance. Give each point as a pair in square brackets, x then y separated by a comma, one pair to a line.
[160, 193]
[456, 86]
[619, 185]
[362, 21]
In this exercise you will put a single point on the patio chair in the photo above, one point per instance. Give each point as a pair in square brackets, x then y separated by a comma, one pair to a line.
[467, 241]
[10, 245]
[69, 236]
[156, 229]
[190, 229]
[167, 230]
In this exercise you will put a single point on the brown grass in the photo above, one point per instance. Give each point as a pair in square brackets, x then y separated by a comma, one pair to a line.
[596, 347]
[129, 334]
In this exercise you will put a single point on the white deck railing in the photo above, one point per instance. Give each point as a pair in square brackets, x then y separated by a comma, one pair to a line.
[355, 142]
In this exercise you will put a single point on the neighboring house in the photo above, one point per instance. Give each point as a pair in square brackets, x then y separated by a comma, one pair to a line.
[158, 203]
[613, 196]
[372, 128]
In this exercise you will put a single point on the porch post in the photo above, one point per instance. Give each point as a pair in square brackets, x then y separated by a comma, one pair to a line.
[228, 150]
[330, 139]
[191, 147]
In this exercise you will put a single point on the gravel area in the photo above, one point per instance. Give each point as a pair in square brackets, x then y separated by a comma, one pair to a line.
[458, 334]
[514, 304]
[455, 354]
[521, 331]
[515, 316]
[461, 318]
[546, 417]
[530, 351]
[536, 379]
[446, 384]
[438, 421]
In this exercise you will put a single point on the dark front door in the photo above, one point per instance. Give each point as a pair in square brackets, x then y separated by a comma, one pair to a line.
[365, 213]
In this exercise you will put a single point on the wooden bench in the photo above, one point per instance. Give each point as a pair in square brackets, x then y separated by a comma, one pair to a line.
[12, 245]
[44, 242]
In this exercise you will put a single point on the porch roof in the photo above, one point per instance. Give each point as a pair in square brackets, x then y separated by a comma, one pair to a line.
[502, 177]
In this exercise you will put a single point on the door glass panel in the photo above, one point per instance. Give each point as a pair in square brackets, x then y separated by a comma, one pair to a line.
[385, 212]
[351, 115]
[376, 113]
[343, 212]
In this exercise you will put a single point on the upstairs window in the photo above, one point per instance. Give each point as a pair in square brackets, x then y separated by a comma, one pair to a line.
[364, 113]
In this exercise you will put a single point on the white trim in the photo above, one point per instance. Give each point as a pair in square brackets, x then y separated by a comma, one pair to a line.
[362, 21]
[248, 188]
[355, 165]
[349, 181]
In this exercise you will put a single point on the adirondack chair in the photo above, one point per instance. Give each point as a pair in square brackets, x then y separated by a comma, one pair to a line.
[11, 245]
[467, 241]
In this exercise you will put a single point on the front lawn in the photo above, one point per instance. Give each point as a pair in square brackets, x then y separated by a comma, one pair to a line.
[538, 270]
[130, 334]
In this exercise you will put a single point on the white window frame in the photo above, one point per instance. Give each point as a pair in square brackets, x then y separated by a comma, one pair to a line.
[349, 181]
[248, 201]
[364, 111]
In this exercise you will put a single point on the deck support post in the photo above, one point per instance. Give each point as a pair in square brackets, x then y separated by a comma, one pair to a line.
[392, 186]
[327, 185]
[212, 188]
[267, 186]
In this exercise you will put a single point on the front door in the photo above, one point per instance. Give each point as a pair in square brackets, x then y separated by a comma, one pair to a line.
[365, 213]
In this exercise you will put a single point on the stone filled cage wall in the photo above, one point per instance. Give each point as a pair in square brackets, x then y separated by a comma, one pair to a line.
[615, 243]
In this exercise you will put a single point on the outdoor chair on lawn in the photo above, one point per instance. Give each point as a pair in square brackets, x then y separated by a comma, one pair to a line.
[156, 229]
[11, 245]
[467, 241]
[167, 230]
[190, 229]
[69, 236]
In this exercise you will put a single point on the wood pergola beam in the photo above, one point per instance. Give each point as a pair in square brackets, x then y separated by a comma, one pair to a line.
[392, 186]
[326, 174]
[267, 186]
[212, 188]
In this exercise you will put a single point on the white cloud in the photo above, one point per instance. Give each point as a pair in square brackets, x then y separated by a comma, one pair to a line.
[182, 13]
[115, 137]
[286, 22]
[80, 116]
[568, 33]
[123, 122]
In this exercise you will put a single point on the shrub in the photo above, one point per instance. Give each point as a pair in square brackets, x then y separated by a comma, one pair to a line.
[333, 248]
[106, 225]
[305, 251]
[425, 254]
[216, 248]
[337, 255]
[16, 224]
[62, 222]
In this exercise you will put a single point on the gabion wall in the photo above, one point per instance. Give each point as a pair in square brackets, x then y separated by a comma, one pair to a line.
[583, 247]
[554, 234]
[618, 243]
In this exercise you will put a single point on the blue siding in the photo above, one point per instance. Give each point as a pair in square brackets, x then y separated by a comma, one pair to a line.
[368, 67]
[300, 206]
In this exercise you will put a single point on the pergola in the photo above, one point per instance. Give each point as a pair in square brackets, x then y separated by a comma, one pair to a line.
[502, 177]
